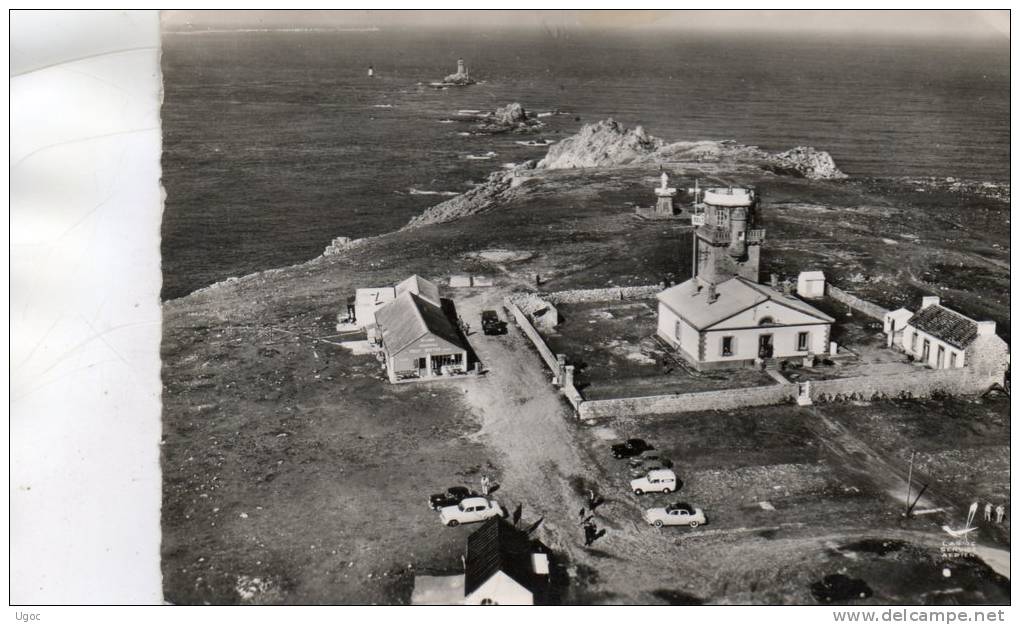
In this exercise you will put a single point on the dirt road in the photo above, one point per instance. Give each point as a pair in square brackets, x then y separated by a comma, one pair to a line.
[526, 420]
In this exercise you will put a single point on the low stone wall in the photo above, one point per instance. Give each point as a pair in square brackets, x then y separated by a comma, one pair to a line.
[573, 396]
[569, 390]
[689, 402]
[863, 306]
[602, 295]
[536, 339]
[915, 384]
[920, 383]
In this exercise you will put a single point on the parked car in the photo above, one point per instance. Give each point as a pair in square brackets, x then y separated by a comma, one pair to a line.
[453, 496]
[469, 510]
[651, 456]
[491, 323]
[642, 468]
[630, 448]
[658, 481]
[676, 514]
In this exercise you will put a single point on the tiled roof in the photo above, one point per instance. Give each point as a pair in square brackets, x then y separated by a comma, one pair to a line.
[946, 325]
[497, 546]
[408, 318]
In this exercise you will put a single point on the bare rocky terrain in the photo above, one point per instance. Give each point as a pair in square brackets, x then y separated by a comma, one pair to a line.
[293, 473]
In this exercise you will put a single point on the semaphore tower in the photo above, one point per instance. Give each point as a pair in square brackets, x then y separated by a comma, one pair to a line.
[726, 241]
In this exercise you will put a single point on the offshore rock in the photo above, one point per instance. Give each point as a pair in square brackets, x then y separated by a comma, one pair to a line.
[807, 162]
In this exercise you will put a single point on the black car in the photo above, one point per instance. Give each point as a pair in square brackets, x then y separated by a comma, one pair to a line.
[491, 323]
[453, 496]
[630, 448]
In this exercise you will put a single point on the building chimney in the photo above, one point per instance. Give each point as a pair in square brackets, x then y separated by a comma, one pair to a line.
[929, 300]
[711, 295]
[985, 328]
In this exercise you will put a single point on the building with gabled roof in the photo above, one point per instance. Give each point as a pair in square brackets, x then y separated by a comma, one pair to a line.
[421, 287]
[738, 321]
[418, 339]
[942, 338]
[502, 566]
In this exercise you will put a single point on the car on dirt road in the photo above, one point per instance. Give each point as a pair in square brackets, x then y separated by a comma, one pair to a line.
[491, 325]
[451, 497]
[642, 468]
[658, 481]
[470, 510]
[676, 514]
[649, 457]
[630, 448]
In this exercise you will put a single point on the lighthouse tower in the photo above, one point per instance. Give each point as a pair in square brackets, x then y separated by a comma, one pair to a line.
[726, 242]
[665, 193]
[462, 69]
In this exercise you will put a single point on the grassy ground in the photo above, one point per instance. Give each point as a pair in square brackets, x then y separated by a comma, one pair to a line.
[613, 348]
[291, 469]
[731, 461]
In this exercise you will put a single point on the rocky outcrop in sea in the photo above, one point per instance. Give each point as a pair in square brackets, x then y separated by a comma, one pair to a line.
[602, 144]
[509, 118]
[608, 144]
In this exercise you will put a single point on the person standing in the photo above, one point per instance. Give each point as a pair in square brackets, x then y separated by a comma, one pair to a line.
[988, 511]
[1000, 513]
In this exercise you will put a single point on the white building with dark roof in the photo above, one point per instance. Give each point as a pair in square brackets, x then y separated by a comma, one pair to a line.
[737, 321]
[502, 566]
[418, 339]
[942, 338]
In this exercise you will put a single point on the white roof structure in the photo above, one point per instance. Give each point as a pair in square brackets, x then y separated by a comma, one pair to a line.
[690, 300]
[900, 315]
[734, 196]
[374, 296]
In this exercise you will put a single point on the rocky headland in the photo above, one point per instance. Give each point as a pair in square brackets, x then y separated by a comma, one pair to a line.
[608, 144]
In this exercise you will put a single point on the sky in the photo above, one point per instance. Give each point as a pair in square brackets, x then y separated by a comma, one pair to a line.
[991, 24]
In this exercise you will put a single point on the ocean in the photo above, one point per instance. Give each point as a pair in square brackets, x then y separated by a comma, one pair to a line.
[277, 142]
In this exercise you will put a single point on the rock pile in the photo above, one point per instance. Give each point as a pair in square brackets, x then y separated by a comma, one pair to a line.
[509, 118]
[602, 144]
[807, 162]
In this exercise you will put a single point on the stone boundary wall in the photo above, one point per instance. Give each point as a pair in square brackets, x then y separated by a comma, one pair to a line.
[872, 310]
[602, 295]
[689, 402]
[569, 390]
[573, 396]
[920, 383]
[915, 384]
[529, 330]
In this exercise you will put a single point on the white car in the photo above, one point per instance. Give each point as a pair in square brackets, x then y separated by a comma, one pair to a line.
[470, 510]
[676, 514]
[657, 481]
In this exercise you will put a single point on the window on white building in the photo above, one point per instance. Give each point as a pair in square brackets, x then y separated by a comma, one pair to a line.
[913, 342]
[727, 346]
[802, 341]
[952, 360]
